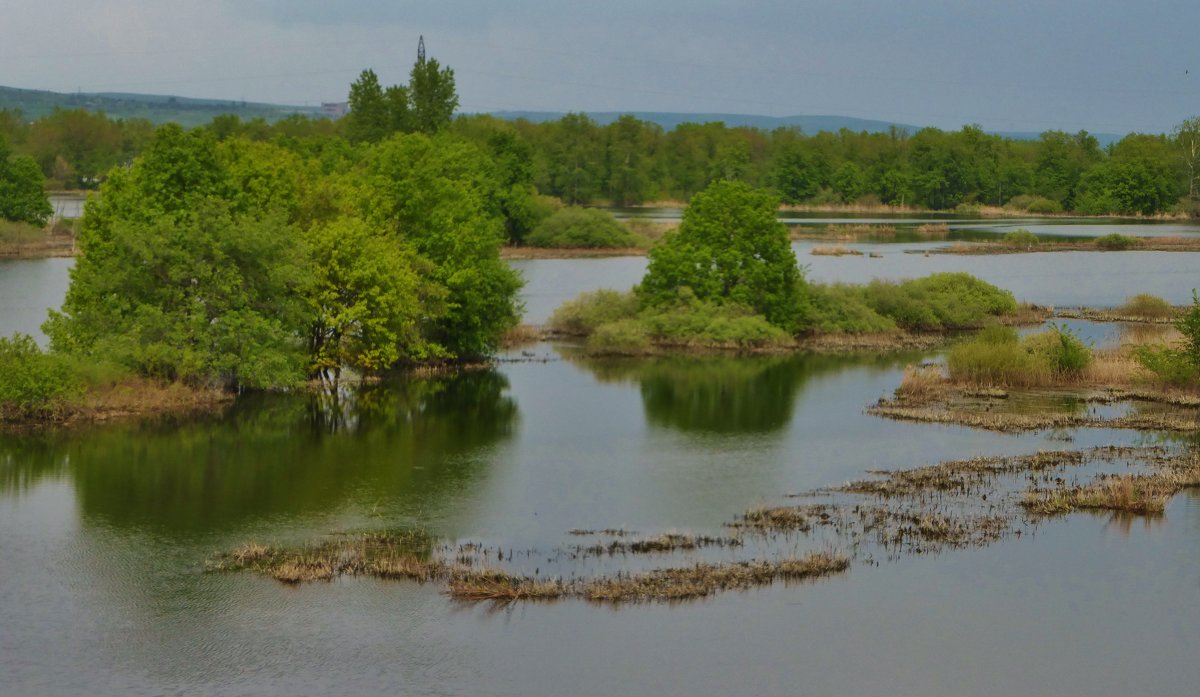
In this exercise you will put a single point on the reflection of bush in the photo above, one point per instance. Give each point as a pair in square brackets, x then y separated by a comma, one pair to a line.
[274, 454]
[721, 394]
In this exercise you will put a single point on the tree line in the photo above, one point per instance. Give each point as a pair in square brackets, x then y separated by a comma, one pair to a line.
[631, 161]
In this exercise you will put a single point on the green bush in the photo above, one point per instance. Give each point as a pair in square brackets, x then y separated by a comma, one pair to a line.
[1147, 307]
[32, 383]
[1021, 238]
[1116, 242]
[1180, 367]
[1034, 204]
[939, 301]
[694, 322]
[622, 337]
[1170, 366]
[996, 356]
[1059, 350]
[842, 309]
[584, 314]
[581, 227]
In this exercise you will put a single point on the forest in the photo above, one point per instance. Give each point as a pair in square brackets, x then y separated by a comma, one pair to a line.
[631, 162]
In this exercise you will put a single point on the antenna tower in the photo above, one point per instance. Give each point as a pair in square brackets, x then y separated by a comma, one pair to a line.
[421, 49]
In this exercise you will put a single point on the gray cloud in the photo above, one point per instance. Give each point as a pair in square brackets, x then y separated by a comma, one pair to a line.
[1022, 65]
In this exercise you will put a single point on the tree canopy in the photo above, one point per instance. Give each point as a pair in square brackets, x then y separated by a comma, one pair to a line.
[730, 248]
[22, 189]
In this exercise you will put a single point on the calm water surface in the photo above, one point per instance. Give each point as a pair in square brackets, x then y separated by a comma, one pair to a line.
[104, 530]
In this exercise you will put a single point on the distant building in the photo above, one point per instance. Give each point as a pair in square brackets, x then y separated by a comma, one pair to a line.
[335, 110]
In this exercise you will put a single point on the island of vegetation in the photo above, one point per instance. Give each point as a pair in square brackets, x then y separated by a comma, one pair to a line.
[728, 279]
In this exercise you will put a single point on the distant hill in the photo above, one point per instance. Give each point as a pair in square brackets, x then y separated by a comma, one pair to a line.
[669, 120]
[808, 124]
[34, 104]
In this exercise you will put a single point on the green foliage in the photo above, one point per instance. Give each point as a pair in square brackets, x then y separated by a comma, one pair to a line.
[730, 249]
[22, 189]
[622, 337]
[208, 298]
[426, 105]
[582, 227]
[843, 309]
[939, 301]
[1020, 238]
[1147, 306]
[584, 314]
[32, 383]
[1060, 350]
[996, 356]
[694, 322]
[14, 233]
[438, 196]
[369, 300]
[1116, 242]
[1177, 366]
[1034, 204]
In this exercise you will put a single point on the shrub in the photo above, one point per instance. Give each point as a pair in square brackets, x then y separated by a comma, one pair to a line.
[1147, 307]
[693, 322]
[996, 356]
[1179, 366]
[1059, 350]
[1034, 204]
[1021, 238]
[939, 301]
[32, 383]
[581, 227]
[841, 309]
[584, 314]
[622, 337]
[1116, 242]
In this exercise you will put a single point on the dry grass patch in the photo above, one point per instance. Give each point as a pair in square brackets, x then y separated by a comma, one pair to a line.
[933, 230]
[1128, 493]
[835, 251]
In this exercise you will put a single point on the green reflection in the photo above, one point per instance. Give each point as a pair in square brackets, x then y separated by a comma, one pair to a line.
[401, 444]
[726, 394]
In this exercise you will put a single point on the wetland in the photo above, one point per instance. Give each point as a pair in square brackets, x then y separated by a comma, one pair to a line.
[557, 522]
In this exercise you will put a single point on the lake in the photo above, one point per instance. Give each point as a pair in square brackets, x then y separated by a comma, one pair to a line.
[104, 529]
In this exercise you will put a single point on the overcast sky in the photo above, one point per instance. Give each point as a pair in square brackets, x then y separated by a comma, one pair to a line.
[1104, 65]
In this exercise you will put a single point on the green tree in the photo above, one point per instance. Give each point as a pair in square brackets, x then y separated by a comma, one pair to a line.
[796, 176]
[437, 194]
[730, 248]
[369, 302]
[369, 119]
[1187, 143]
[22, 189]
[433, 96]
[203, 297]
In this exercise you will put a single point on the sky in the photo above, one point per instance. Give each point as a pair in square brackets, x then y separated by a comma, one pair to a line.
[1109, 66]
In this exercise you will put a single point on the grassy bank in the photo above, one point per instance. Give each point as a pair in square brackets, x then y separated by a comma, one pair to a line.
[24, 241]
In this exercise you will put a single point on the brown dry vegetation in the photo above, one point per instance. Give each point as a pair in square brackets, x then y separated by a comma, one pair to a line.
[835, 251]
[1145, 244]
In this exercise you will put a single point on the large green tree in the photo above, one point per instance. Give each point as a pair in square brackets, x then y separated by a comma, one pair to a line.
[22, 189]
[730, 248]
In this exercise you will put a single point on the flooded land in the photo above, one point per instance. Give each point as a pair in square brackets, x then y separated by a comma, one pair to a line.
[555, 523]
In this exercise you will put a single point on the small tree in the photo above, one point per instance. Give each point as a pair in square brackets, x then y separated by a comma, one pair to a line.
[730, 248]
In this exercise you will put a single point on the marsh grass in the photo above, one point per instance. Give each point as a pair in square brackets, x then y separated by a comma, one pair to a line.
[835, 251]
[932, 230]
[1145, 493]
[1147, 307]
[405, 554]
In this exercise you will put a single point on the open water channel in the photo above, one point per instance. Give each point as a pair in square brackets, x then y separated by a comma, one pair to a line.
[104, 530]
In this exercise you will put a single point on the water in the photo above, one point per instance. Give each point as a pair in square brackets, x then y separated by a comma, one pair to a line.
[104, 529]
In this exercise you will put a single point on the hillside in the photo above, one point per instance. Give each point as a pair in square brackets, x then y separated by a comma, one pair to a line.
[34, 104]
